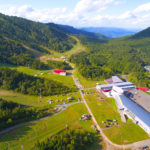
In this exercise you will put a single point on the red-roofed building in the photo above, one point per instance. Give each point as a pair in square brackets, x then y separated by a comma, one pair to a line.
[61, 72]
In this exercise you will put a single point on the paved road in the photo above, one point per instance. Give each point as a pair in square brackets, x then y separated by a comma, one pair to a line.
[62, 109]
[124, 76]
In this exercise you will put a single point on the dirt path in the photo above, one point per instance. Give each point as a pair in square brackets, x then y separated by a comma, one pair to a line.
[34, 131]
[13, 137]
[4, 142]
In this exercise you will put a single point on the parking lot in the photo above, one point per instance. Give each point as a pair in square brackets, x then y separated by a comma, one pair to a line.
[139, 97]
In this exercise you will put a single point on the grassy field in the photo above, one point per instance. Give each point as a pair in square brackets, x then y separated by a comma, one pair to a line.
[27, 135]
[85, 82]
[67, 80]
[33, 52]
[89, 90]
[130, 134]
[106, 109]
[33, 101]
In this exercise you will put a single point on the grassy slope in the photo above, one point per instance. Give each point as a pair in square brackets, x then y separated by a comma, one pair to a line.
[86, 83]
[51, 126]
[33, 101]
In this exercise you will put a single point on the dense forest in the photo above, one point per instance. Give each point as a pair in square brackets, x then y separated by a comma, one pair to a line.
[11, 113]
[14, 53]
[35, 34]
[68, 140]
[59, 65]
[90, 70]
[26, 84]
[124, 55]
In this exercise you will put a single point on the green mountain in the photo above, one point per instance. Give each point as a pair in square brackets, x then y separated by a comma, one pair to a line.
[143, 34]
[72, 30]
[34, 34]
[14, 53]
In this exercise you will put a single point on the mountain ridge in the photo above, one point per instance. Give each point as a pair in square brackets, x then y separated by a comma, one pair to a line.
[112, 32]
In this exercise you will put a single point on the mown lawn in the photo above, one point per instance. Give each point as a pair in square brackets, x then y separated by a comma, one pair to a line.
[130, 133]
[33, 101]
[67, 80]
[89, 90]
[40, 130]
[104, 110]
[85, 82]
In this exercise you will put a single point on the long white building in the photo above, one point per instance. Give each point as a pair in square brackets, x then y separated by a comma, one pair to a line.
[128, 107]
[123, 85]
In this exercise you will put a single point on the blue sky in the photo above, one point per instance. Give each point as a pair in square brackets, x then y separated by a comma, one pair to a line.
[82, 13]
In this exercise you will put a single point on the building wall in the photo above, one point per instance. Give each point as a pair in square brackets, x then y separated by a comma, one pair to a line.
[135, 119]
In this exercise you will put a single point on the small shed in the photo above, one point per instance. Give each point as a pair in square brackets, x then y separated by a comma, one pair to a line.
[60, 72]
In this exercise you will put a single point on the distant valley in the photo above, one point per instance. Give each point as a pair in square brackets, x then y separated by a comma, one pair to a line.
[111, 32]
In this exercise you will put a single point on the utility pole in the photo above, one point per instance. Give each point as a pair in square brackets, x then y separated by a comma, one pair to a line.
[139, 83]
[40, 93]
[29, 66]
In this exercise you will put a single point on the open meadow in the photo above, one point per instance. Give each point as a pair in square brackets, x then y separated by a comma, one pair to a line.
[35, 101]
[27, 135]
[87, 83]
[105, 109]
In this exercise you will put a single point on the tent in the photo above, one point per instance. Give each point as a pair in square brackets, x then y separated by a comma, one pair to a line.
[85, 118]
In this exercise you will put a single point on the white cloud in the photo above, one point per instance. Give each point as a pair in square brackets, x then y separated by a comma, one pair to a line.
[127, 15]
[142, 8]
[86, 6]
[119, 2]
[28, 12]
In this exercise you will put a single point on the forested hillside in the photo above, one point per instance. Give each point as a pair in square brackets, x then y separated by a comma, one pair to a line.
[34, 34]
[143, 34]
[117, 56]
[14, 53]
[12, 113]
[26, 84]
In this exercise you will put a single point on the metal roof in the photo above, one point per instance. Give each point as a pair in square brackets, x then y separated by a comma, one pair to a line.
[115, 84]
[119, 102]
[109, 80]
[137, 110]
[116, 79]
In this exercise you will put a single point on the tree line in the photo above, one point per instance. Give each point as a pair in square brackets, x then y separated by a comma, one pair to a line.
[59, 65]
[68, 140]
[12, 113]
[26, 84]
